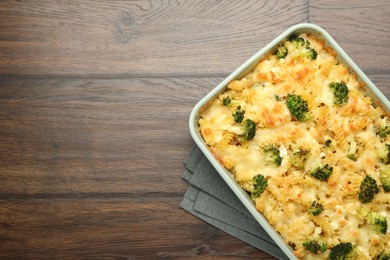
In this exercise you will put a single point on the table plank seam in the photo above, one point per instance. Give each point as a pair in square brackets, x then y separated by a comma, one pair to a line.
[81, 196]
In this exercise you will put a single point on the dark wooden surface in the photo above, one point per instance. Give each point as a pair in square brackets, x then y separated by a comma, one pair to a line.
[94, 104]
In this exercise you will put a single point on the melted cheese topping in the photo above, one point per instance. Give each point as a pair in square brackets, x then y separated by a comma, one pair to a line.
[351, 128]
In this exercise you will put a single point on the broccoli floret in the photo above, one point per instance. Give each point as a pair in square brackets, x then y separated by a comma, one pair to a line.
[238, 115]
[315, 246]
[315, 208]
[281, 52]
[227, 101]
[383, 131]
[272, 155]
[368, 189]
[379, 221]
[310, 53]
[340, 92]
[259, 185]
[298, 41]
[249, 129]
[383, 256]
[298, 107]
[299, 158]
[384, 154]
[343, 251]
[384, 176]
[322, 173]
[373, 218]
[303, 46]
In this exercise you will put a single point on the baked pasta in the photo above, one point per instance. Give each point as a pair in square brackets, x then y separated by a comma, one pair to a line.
[301, 136]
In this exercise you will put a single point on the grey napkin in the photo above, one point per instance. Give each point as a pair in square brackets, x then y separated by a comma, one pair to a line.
[209, 198]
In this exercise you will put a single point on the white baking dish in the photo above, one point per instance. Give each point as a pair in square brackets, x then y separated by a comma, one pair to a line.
[342, 57]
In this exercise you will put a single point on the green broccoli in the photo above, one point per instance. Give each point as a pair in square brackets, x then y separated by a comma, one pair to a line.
[383, 131]
[238, 115]
[343, 251]
[315, 246]
[227, 101]
[272, 155]
[373, 218]
[368, 189]
[340, 92]
[310, 53]
[322, 173]
[383, 256]
[259, 185]
[298, 107]
[249, 129]
[281, 52]
[384, 176]
[384, 154]
[379, 221]
[299, 158]
[298, 42]
[303, 46]
[315, 208]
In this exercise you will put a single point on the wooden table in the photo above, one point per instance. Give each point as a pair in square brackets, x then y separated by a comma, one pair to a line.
[94, 103]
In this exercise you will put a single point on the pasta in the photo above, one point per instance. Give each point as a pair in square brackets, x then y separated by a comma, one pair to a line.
[316, 154]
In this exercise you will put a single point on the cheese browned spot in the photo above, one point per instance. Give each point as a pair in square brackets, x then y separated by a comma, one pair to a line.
[343, 136]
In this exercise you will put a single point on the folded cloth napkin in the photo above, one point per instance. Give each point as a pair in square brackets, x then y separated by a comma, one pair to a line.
[209, 198]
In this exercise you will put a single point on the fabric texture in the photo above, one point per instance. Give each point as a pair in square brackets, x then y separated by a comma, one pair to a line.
[209, 198]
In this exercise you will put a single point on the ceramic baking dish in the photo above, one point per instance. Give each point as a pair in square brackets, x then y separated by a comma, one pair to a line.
[342, 57]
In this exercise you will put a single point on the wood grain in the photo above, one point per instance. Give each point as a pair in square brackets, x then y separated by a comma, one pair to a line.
[96, 136]
[111, 229]
[138, 37]
[360, 27]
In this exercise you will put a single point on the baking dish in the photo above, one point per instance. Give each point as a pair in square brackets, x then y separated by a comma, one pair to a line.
[342, 57]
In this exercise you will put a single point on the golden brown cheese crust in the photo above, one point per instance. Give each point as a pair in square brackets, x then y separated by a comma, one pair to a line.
[351, 128]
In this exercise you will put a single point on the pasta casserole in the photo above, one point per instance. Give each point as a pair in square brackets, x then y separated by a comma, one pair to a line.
[301, 136]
